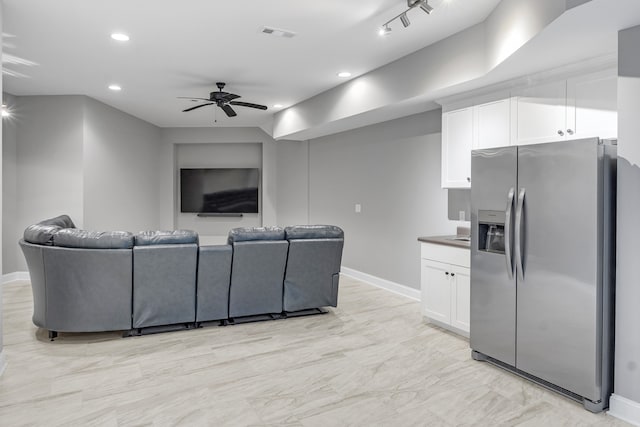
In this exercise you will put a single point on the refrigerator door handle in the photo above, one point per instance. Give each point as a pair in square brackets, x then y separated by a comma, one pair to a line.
[507, 232]
[518, 234]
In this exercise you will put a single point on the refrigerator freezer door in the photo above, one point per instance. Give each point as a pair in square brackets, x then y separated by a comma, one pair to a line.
[559, 285]
[493, 288]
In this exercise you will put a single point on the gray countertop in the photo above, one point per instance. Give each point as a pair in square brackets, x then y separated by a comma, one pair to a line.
[446, 240]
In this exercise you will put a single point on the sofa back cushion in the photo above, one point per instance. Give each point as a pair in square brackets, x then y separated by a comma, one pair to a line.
[62, 221]
[40, 234]
[244, 234]
[313, 232]
[75, 238]
[168, 237]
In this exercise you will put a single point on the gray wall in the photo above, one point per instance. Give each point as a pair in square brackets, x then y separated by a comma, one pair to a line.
[10, 230]
[627, 352]
[75, 155]
[120, 163]
[293, 182]
[49, 161]
[393, 170]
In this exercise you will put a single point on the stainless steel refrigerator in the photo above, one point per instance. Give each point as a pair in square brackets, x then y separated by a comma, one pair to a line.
[543, 264]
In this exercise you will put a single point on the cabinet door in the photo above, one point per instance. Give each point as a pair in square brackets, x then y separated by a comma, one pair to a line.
[457, 139]
[436, 290]
[461, 298]
[592, 105]
[539, 114]
[492, 124]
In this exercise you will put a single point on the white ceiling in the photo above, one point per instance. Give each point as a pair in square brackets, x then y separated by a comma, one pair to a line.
[181, 48]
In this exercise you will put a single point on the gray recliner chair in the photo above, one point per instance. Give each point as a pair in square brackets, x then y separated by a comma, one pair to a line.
[214, 276]
[81, 280]
[257, 272]
[164, 278]
[313, 266]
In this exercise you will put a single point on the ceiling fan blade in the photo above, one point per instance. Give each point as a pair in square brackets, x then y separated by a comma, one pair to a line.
[194, 99]
[227, 109]
[230, 97]
[197, 106]
[248, 104]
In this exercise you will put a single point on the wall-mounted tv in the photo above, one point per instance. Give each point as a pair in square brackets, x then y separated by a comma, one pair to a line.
[232, 190]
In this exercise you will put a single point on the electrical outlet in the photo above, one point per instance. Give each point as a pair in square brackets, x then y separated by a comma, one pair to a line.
[461, 215]
[358, 208]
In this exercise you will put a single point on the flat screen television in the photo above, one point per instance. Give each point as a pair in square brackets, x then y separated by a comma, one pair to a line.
[233, 190]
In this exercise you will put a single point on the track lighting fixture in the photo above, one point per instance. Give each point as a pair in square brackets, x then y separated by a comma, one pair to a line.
[385, 31]
[412, 4]
[425, 6]
[405, 20]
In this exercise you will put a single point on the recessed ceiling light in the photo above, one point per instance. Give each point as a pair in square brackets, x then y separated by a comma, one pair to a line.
[344, 74]
[115, 87]
[120, 37]
[278, 105]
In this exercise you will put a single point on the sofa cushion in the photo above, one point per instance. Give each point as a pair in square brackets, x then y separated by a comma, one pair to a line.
[62, 221]
[40, 234]
[75, 238]
[169, 237]
[243, 234]
[314, 232]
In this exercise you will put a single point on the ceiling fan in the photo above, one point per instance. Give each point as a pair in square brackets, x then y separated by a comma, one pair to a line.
[223, 100]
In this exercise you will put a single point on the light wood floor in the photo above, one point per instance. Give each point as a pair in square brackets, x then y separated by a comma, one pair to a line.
[371, 361]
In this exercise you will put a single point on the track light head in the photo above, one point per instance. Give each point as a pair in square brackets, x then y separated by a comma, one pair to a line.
[405, 20]
[425, 6]
[385, 31]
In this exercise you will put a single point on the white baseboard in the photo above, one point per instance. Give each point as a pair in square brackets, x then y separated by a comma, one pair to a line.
[16, 276]
[625, 409]
[388, 285]
[3, 363]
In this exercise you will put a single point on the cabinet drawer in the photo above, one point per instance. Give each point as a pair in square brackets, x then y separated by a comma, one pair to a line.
[448, 254]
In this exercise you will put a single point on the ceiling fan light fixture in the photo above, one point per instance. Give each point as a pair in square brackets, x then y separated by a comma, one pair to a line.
[278, 105]
[405, 20]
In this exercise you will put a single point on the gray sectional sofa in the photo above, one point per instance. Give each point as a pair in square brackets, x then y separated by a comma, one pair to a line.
[88, 281]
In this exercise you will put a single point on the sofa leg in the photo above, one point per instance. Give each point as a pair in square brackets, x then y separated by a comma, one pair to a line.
[53, 335]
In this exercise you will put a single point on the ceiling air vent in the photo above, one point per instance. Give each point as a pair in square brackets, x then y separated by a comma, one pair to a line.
[277, 32]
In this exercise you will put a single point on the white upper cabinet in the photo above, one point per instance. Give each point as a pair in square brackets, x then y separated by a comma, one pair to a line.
[483, 125]
[539, 113]
[492, 124]
[592, 105]
[457, 140]
[578, 107]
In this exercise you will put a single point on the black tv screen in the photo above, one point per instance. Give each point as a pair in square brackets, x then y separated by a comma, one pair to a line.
[219, 190]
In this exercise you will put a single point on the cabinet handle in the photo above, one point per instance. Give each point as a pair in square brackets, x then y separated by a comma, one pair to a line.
[468, 179]
[570, 131]
[560, 133]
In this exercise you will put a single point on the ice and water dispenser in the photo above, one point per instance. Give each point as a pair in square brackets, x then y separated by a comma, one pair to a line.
[491, 231]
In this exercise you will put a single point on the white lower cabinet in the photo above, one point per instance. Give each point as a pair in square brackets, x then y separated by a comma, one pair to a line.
[445, 286]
